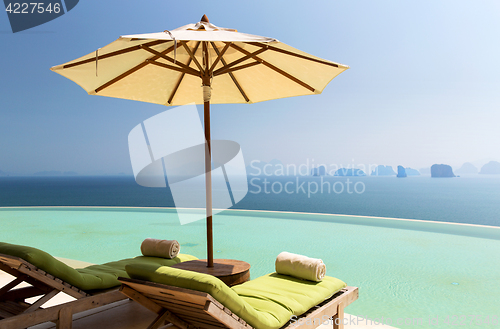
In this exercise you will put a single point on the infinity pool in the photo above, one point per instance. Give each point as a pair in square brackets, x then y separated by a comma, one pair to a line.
[407, 271]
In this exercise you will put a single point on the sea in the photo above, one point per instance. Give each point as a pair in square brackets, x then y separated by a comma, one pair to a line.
[409, 273]
[473, 199]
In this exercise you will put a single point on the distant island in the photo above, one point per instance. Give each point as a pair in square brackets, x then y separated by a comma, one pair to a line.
[441, 170]
[277, 168]
[349, 172]
[401, 172]
[491, 168]
[382, 170]
[412, 172]
[467, 168]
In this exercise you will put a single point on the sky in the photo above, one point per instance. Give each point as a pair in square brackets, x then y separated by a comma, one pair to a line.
[423, 85]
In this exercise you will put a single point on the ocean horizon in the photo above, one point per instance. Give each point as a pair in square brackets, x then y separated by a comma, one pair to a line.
[471, 199]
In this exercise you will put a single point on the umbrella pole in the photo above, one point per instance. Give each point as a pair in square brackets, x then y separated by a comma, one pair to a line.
[208, 158]
[208, 185]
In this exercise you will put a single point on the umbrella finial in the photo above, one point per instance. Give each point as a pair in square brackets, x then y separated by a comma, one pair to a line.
[204, 19]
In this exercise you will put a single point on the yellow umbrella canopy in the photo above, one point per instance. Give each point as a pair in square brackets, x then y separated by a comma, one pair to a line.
[169, 67]
[243, 68]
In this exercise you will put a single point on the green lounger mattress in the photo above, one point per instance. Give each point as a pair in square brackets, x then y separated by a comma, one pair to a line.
[95, 277]
[267, 302]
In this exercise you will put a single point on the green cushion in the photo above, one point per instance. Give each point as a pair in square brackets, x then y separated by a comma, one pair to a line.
[281, 296]
[267, 302]
[95, 277]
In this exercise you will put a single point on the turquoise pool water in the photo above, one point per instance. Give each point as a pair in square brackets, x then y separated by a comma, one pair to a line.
[404, 269]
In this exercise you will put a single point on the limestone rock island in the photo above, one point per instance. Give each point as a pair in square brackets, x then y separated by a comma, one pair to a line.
[491, 168]
[401, 172]
[441, 170]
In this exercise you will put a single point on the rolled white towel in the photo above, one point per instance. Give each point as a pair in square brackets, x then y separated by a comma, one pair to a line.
[301, 267]
[160, 248]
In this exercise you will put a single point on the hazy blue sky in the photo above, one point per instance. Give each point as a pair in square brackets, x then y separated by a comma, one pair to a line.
[423, 88]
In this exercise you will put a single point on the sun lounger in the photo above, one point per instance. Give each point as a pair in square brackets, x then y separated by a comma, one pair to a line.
[93, 286]
[195, 300]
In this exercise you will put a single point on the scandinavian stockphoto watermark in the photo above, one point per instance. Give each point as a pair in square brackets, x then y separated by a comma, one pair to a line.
[169, 148]
[307, 178]
[428, 321]
[298, 185]
[25, 15]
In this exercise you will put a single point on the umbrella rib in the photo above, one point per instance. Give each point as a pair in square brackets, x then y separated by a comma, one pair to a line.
[232, 76]
[219, 56]
[274, 68]
[244, 58]
[170, 59]
[293, 54]
[225, 70]
[114, 53]
[170, 67]
[182, 76]
[132, 70]
[192, 56]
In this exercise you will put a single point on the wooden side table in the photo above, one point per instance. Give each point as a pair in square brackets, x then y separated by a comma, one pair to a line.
[230, 271]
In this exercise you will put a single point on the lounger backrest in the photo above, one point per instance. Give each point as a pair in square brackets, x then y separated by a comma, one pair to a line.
[91, 278]
[43, 261]
[189, 306]
[43, 281]
[204, 283]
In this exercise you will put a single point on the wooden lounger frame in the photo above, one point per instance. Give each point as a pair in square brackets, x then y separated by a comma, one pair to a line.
[16, 313]
[190, 309]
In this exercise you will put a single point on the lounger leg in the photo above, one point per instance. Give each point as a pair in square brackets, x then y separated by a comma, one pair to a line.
[11, 285]
[165, 317]
[338, 319]
[36, 305]
[65, 320]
